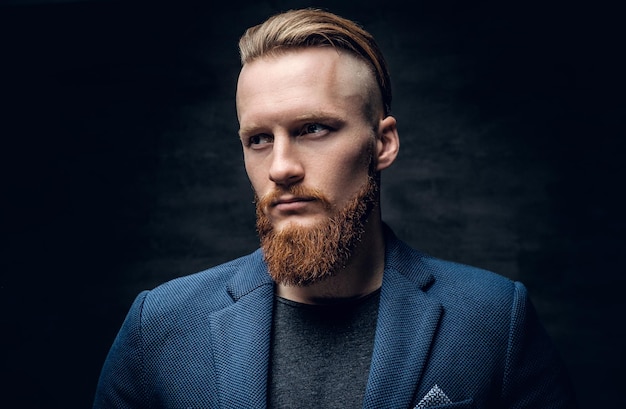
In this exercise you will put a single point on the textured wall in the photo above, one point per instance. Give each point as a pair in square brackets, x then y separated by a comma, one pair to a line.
[121, 166]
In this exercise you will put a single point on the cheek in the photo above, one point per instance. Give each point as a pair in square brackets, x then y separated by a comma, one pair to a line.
[368, 156]
[356, 162]
[350, 171]
[255, 175]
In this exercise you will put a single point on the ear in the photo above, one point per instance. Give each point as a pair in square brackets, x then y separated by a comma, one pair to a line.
[387, 143]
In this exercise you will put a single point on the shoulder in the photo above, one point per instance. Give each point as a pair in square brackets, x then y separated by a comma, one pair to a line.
[475, 302]
[475, 295]
[453, 284]
[462, 281]
[199, 294]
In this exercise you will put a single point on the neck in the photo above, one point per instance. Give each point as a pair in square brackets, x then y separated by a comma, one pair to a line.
[362, 276]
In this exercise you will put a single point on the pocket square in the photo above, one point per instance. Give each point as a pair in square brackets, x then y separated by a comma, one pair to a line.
[434, 397]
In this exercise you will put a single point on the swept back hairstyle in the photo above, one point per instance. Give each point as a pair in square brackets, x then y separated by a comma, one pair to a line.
[315, 28]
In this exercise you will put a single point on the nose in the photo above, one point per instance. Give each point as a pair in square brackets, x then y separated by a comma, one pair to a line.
[286, 167]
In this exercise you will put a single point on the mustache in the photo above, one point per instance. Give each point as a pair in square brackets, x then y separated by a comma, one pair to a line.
[300, 191]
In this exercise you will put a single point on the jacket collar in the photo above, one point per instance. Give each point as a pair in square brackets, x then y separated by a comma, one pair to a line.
[407, 320]
[241, 335]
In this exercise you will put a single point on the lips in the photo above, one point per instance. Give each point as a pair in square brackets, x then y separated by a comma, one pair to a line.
[291, 203]
[288, 200]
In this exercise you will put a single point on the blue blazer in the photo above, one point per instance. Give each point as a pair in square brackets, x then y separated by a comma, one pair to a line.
[203, 341]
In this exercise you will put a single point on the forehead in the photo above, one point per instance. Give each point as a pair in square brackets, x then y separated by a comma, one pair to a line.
[303, 57]
[309, 75]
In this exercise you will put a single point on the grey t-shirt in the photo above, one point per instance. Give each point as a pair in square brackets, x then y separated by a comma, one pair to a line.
[321, 354]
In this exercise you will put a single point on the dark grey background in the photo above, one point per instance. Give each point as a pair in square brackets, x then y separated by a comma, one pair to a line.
[121, 166]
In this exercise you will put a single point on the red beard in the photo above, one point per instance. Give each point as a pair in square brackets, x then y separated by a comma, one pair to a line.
[301, 256]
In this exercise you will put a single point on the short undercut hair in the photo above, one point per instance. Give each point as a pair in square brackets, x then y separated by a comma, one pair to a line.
[316, 28]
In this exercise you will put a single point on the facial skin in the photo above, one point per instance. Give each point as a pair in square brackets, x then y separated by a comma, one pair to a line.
[303, 124]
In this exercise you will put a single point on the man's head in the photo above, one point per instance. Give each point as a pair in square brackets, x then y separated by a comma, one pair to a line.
[315, 136]
[317, 28]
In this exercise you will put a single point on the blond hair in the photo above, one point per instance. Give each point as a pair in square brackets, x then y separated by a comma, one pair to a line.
[316, 28]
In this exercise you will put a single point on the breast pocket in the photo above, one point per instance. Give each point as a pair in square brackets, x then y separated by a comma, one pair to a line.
[466, 404]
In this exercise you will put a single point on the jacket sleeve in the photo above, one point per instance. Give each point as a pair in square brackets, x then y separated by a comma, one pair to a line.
[534, 375]
[121, 379]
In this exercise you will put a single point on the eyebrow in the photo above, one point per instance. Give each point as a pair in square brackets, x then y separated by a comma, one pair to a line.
[318, 116]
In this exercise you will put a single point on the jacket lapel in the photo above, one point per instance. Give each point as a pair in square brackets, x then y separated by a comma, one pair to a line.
[240, 337]
[407, 321]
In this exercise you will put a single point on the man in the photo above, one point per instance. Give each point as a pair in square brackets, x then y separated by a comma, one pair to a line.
[333, 310]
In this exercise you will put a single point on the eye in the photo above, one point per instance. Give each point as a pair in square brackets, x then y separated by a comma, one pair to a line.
[257, 141]
[313, 129]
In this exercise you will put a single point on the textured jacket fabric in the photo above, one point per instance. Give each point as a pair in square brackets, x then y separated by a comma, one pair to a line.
[203, 341]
